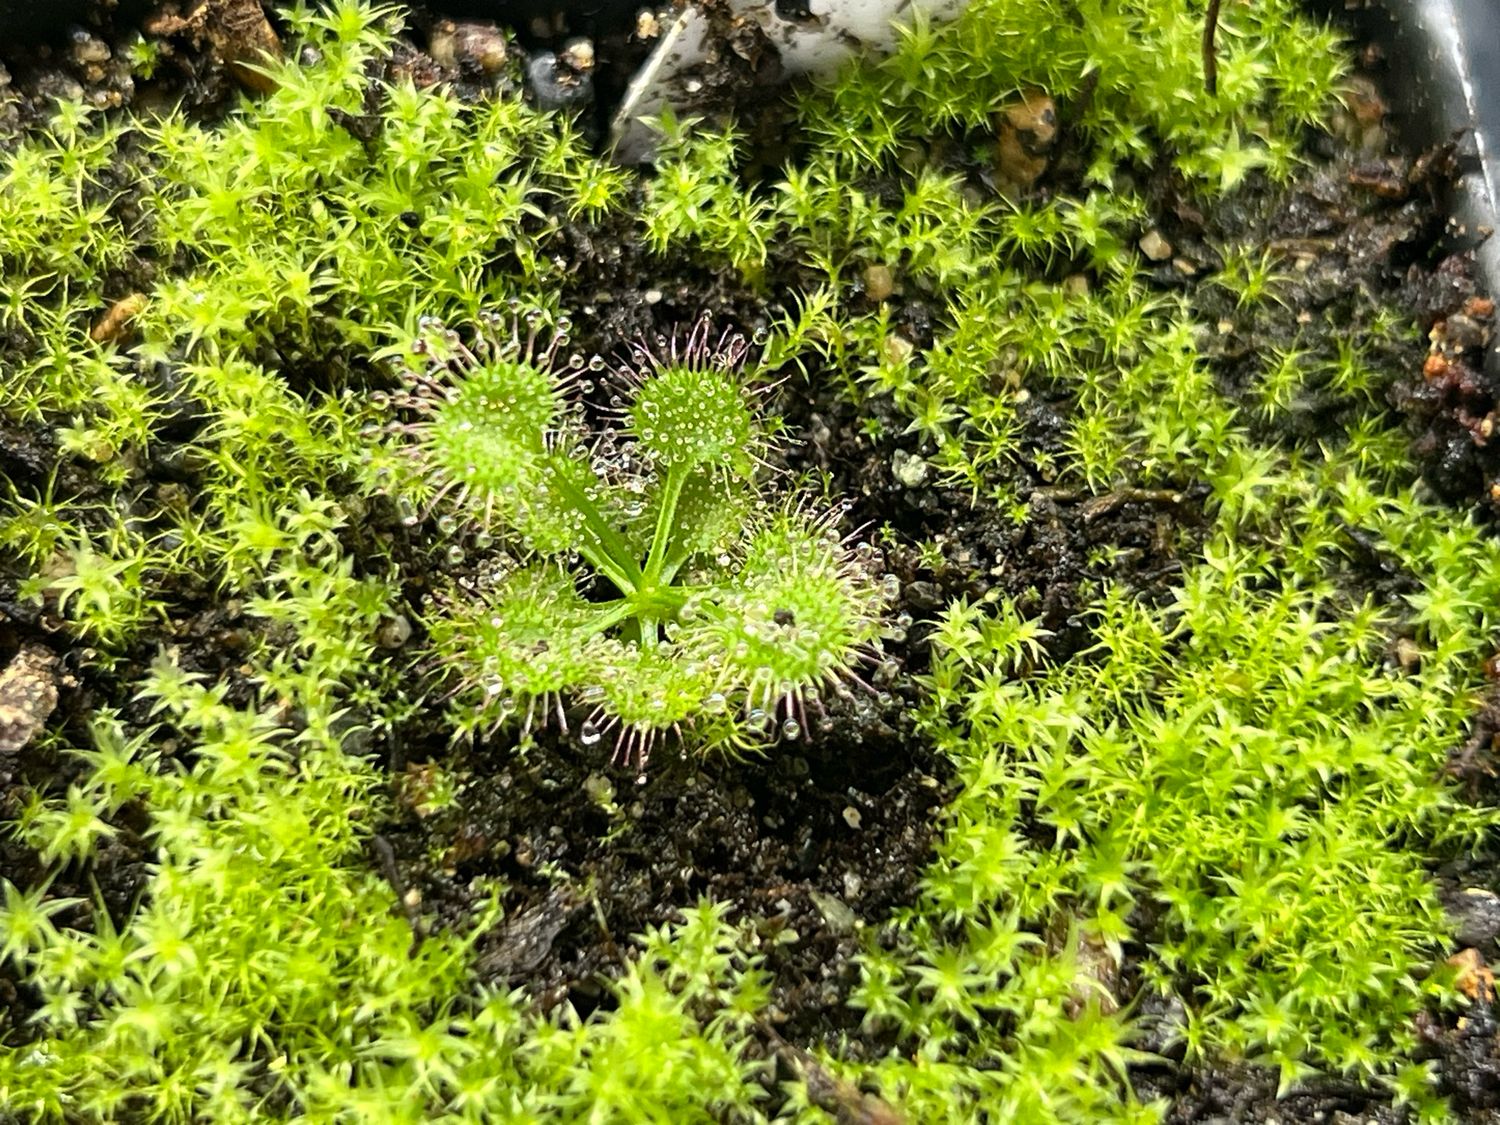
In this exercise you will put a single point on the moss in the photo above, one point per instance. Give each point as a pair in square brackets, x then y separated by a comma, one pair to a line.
[1233, 786]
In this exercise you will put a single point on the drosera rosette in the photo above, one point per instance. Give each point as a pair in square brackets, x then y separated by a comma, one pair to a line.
[653, 572]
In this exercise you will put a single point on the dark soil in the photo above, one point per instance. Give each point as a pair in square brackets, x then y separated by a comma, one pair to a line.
[833, 833]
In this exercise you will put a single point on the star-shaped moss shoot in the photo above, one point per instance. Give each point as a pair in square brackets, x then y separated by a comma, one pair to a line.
[659, 577]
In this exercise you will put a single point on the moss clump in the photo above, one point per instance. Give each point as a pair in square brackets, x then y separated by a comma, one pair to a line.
[1233, 788]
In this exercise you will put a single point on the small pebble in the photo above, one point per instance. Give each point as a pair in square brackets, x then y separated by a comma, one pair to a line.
[852, 817]
[1154, 246]
[1026, 131]
[879, 284]
[468, 45]
[1361, 120]
[909, 469]
[839, 918]
[898, 349]
[1409, 656]
[1475, 913]
[394, 632]
[577, 55]
[28, 696]
[556, 85]
[1461, 332]
[88, 49]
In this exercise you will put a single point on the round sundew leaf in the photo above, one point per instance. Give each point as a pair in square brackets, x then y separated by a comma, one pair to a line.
[490, 435]
[665, 692]
[654, 689]
[798, 614]
[529, 636]
[687, 417]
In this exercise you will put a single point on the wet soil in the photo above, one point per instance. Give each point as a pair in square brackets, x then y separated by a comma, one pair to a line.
[829, 835]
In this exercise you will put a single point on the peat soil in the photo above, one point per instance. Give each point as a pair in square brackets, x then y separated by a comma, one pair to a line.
[820, 841]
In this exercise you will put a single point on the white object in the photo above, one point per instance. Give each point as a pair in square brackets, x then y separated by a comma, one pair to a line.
[814, 44]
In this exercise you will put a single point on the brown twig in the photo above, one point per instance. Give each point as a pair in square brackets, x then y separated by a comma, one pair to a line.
[408, 902]
[1097, 506]
[844, 1100]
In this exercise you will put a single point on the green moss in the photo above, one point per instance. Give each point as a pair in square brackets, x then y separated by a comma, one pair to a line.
[1238, 788]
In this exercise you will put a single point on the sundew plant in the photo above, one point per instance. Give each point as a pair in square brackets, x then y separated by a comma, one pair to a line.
[729, 607]
[1203, 834]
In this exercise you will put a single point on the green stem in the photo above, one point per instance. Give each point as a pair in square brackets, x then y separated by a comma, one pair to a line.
[675, 563]
[617, 611]
[666, 516]
[613, 560]
[605, 565]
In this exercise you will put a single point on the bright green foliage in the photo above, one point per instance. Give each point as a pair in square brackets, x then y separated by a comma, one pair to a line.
[1140, 61]
[1240, 762]
[727, 610]
[1238, 788]
[266, 974]
[675, 1048]
[305, 246]
[1128, 79]
[696, 195]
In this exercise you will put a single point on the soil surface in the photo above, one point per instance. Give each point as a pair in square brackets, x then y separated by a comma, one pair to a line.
[835, 831]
